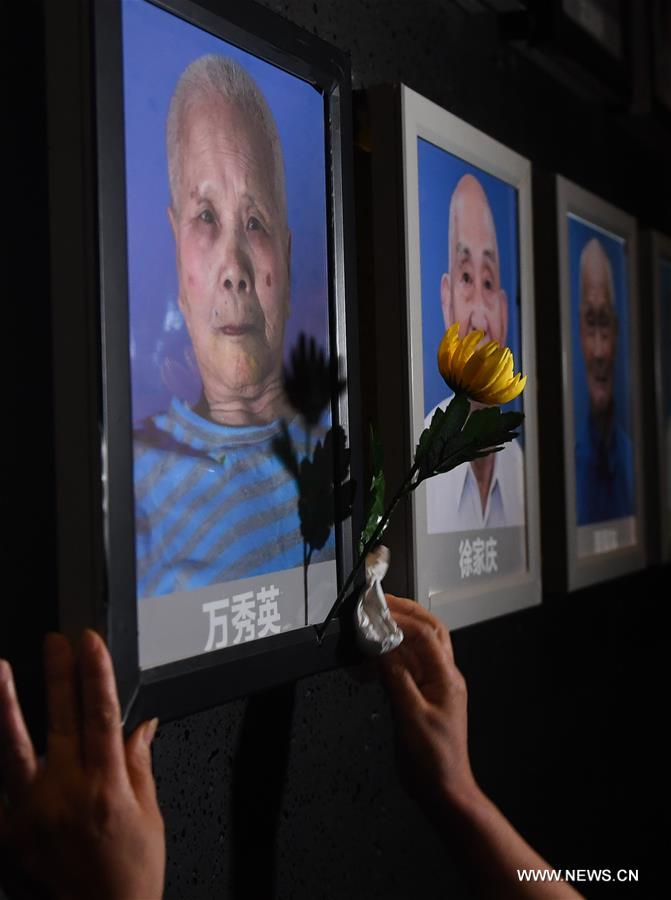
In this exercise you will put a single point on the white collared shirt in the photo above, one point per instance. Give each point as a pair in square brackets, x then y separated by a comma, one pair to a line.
[453, 499]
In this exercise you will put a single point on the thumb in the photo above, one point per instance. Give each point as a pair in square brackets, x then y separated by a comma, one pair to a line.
[138, 762]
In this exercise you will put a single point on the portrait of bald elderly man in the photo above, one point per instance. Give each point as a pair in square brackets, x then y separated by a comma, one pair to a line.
[604, 462]
[488, 492]
[213, 502]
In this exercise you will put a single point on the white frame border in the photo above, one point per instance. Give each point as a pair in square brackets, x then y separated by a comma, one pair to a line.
[422, 118]
[572, 199]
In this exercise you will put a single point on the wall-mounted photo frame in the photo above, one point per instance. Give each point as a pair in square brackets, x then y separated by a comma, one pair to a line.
[214, 214]
[469, 259]
[604, 508]
[660, 265]
[462, 220]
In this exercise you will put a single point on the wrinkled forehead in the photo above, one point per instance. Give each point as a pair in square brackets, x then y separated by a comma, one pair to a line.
[219, 129]
[472, 228]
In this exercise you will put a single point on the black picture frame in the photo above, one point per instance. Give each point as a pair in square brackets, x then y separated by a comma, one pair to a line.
[91, 375]
[585, 46]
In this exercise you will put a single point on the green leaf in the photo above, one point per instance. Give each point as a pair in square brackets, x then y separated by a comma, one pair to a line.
[435, 441]
[484, 432]
[376, 491]
[490, 426]
[445, 424]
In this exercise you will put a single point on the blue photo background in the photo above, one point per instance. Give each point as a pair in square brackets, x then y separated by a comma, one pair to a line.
[579, 233]
[439, 172]
[157, 47]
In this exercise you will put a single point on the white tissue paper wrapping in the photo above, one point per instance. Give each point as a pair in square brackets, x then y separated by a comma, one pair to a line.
[375, 628]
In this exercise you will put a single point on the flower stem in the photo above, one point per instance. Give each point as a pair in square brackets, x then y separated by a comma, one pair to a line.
[368, 546]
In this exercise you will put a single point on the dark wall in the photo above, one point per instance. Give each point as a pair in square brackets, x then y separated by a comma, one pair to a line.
[296, 793]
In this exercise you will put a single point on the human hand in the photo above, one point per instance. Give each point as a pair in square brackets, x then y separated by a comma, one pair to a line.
[84, 822]
[428, 697]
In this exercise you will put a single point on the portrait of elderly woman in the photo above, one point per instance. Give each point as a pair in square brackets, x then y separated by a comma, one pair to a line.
[213, 502]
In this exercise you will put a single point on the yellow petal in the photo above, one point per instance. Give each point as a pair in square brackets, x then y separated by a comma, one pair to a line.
[451, 336]
[479, 372]
[446, 350]
[503, 375]
[484, 372]
[490, 375]
[482, 359]
[445, 367]
[478, 367]
[464, 352]
[510, 391]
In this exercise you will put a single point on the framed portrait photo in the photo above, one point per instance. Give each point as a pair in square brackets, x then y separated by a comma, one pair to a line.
[219, 181]
[602, 384]
[468, 259]
[660, 261]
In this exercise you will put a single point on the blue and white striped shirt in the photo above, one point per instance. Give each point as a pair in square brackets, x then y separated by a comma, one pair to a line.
[213, 503]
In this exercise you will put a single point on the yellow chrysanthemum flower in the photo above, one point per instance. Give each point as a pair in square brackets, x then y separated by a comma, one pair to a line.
[485, 373]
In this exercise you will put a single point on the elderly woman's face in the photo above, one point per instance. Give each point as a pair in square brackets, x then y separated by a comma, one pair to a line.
[232, 252]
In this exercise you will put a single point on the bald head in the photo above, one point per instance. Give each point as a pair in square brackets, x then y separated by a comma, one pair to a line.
[469, 198]
[471, 292]
[596, 273]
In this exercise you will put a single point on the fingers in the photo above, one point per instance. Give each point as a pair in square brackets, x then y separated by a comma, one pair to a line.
[425, 653]
[408, 654]
[415, 616]
[18, 763]
[62, 705]
[103, 748]
[138, 761]
[420, 626]
[425, 658]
